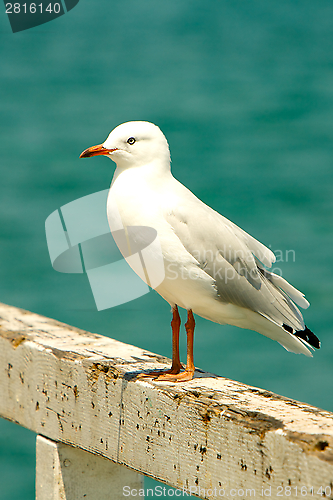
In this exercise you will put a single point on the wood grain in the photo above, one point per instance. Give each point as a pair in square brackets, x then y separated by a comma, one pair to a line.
[79, 388]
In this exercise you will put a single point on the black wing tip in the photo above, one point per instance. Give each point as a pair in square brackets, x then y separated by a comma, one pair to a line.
[309, 337]
[288, 328]
[305, 334]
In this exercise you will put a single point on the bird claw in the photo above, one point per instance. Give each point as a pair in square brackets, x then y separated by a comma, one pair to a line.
[179, 377]
[171, 375]
[157, 373]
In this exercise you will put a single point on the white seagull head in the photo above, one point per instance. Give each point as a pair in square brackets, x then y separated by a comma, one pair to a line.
[133, 144]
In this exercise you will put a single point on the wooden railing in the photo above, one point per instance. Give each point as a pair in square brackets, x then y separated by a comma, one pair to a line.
[99, 429]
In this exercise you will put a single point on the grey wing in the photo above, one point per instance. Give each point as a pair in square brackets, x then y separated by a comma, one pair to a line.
[234, 259]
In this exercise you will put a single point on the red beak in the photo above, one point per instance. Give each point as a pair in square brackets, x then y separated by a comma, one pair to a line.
[96, 150]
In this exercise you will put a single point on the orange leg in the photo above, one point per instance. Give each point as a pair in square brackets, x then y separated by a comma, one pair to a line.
[175, 325]
[176, 365]
[189, 370]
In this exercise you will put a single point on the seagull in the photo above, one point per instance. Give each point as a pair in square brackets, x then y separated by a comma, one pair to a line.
[212, 268]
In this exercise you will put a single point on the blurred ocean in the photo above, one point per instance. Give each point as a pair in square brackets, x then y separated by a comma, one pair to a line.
[244, 93]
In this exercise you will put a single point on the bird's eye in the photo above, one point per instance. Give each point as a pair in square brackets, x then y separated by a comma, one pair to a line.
[131, 140]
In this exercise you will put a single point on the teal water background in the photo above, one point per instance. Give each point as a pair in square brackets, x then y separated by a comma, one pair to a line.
[244, 93]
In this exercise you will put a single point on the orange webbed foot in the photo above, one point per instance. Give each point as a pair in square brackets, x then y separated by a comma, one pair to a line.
[174, 370]
[185, 376]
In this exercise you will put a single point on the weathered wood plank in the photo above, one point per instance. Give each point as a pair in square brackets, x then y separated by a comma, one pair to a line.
[78, 388]
[67, 473]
